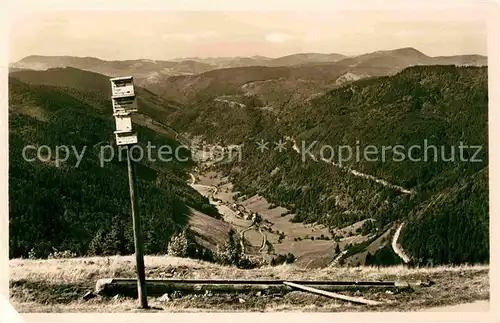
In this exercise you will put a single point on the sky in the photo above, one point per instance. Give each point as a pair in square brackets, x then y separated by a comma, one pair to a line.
[163, 35]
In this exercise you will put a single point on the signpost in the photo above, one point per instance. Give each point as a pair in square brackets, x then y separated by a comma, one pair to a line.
[123, 98]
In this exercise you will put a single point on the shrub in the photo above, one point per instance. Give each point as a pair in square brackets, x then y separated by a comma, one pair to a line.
[278, 260]
[183, 244]
[32, 254]
[281, 237]
[270, 248]
[246, 263]
[61, 254]
[282, 259]
[290, 258]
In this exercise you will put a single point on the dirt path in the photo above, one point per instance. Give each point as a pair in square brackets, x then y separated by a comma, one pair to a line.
[264, 240]
[232, 104]
[212, 189]
[397, 249]
[355, 172]
[242, 238]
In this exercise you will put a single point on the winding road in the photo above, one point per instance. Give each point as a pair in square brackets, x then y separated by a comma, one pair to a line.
[264, 240]
[397, 248]
[232, 104]
[214, 190]
[353, 171]
[242, 238]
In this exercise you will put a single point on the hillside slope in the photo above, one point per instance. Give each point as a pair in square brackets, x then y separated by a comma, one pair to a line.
[86, 200]
[441, 106]
[453, 225]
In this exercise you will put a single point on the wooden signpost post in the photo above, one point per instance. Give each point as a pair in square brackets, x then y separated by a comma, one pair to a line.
[123, 98]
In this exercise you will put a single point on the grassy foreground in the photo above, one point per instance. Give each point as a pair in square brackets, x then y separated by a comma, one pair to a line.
[57, 285]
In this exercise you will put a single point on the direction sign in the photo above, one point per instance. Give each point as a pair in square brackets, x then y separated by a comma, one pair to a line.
[123, 123]
[124, 106]
[126, 138]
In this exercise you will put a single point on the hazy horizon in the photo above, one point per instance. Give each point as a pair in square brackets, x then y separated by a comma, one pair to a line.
[239, 56]
[113, 35]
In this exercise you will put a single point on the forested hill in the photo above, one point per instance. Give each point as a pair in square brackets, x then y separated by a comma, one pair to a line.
[441, 201]
[443, 106]
[85, 209]
[453, 225]
[95, 87]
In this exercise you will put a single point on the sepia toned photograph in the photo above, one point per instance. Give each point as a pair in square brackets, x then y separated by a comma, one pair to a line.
[249, 161]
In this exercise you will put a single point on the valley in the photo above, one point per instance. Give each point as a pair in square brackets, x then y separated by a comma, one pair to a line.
[358, 205]
[267, 213]
[239, 212]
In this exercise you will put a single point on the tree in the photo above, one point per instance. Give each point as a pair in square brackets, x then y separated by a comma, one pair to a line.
[270, 247]
[230, 252]
[257, 219]
[179, 245]
[290, 258]
[341, 261]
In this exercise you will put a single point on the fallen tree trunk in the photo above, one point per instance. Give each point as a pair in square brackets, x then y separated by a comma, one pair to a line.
[158, 287]
[155, 288]
[323, 292]
[261, 282]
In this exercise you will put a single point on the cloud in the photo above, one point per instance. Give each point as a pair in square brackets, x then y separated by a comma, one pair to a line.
[189, 37]
[278, 37]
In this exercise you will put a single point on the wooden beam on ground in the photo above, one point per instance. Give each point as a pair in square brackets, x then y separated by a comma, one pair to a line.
[158, 287]
[310, 289]
[112, 288]
[261, 282]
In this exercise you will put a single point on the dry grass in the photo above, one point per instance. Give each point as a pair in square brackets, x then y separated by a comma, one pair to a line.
[210, 231]
[79, 270]
[58, 284]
